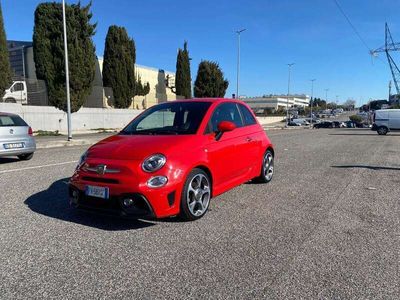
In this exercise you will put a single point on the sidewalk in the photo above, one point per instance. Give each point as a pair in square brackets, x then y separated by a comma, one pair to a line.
[43, 142]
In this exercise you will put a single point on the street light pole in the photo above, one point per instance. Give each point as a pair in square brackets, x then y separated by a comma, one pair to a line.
[326, 98]
[288, 93]
[311, 100]
[67, 74]
[238, 62]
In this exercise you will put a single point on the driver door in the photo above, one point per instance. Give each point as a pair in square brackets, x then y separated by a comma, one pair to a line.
[225, 157]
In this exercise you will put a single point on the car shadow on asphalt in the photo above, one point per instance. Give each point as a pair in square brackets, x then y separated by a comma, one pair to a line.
[8, 160]
[54, 203]
[375, 168]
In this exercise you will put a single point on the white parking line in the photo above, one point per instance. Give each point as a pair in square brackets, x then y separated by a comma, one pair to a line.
[38, 167]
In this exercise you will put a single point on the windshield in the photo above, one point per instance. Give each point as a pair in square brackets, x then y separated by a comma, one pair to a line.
[169, 118]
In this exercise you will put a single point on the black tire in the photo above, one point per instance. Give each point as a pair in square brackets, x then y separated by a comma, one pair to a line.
[27, 156]
[266, 175]
[382, 130]
[187, 212]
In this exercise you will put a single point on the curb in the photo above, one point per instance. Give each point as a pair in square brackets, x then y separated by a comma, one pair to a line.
[56, 144]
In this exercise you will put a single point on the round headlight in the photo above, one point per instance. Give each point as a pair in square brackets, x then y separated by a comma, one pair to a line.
[154, 163]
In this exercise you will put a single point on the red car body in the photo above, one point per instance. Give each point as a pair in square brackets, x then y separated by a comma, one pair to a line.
[230, 160]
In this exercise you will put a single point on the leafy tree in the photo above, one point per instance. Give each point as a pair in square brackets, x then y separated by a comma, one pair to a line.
[210, 80]
[183, 85]
[350, 104]
[5, 71]
[119, 66]
[356, 118]
[48, 49]
[142, 89]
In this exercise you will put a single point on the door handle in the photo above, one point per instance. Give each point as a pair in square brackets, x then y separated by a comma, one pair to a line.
[249, 139]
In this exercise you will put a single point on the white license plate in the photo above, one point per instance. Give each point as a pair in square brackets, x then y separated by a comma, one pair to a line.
[97, 191]
[13, 146]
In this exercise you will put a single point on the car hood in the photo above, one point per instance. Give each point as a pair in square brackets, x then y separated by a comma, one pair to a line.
[138, 147]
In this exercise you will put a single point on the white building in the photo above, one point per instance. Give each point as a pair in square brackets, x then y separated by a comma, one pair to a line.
[275, 102]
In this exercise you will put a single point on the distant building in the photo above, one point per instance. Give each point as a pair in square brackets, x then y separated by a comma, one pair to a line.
[276, 102]
[23, 67]
[21, 59]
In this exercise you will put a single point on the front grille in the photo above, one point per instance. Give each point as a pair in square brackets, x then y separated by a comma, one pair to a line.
[114, 204]
[100, 179]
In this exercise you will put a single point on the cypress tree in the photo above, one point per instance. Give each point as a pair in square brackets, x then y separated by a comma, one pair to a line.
[5, 71]
[48, 49]
[210, 80]
[183, 81]
[119, 66]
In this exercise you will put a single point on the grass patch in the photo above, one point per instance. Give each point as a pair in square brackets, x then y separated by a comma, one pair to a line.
[46, 133]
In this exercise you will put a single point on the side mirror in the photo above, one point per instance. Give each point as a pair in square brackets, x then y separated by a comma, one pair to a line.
[224, 126]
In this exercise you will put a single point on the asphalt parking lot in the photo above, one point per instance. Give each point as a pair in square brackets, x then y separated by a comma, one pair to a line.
[327, 227]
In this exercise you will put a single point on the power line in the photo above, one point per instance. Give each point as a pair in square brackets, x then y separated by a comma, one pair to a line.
[352, 26]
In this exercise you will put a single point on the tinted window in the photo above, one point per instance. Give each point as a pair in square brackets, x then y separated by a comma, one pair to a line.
[11, 121]
[226, 112]
[248, 117]
[169, 118]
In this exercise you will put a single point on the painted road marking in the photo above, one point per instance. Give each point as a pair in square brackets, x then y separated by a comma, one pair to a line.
[38, 167]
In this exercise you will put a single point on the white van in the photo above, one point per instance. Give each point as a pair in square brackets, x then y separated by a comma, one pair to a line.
[386, 120]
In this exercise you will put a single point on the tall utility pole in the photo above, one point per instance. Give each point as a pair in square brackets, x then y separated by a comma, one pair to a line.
[326, 98]
[238, 61]
[67, 74]
[288, 93]
[311, 100]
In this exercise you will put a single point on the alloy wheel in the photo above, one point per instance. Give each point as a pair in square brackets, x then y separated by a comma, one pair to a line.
[198, 195]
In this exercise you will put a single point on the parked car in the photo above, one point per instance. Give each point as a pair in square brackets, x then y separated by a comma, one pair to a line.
[172, 159]
[16, 137]
[338, 124]
[292, 123]
[324, 124]
[386, 120]
[301, 122]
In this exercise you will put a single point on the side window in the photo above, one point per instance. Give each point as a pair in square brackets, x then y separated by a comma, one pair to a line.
[248, 117]
[18, 87]
[225, 112]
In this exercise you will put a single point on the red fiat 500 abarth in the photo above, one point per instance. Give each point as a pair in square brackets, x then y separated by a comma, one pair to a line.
[172, 159]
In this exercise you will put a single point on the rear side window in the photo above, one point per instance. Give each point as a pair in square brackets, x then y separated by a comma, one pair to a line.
[248, 117]
[11, 121]
[226, 112]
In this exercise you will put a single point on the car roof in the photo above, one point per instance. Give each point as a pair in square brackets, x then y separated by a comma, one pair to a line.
[214, 100]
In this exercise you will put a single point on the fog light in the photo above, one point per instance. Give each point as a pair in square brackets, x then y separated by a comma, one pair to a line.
[128, 202]
[157, 181]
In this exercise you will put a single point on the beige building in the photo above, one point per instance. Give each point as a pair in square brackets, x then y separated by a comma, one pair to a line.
[159, 92]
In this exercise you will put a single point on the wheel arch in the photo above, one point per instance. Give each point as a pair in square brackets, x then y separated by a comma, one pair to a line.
[208, 172]
[271, 149]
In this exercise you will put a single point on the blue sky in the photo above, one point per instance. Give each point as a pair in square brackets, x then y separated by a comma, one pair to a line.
[311, 33]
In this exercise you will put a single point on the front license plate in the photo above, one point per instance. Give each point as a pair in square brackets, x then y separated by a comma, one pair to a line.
[97, 191]
[13, 146]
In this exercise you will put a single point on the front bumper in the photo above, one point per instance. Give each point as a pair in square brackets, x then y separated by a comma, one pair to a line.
[114, 205]
[129, 183]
